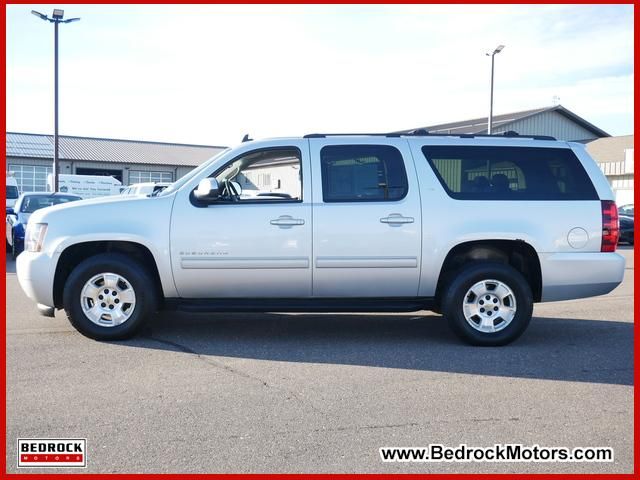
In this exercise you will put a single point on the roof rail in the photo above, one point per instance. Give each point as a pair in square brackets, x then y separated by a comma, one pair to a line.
[424, 133]
[324, 135]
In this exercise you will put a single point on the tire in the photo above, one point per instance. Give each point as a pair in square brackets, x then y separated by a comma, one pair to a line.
[120, 274]
[467, 313]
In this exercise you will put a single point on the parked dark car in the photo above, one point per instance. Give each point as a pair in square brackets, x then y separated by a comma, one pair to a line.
[626, 229]
[18, 216]
[626, 210]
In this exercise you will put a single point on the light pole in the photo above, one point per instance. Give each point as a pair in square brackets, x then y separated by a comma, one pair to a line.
[492, 55]
[56, 19]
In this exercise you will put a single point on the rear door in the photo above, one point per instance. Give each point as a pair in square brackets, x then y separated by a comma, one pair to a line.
[366, 218]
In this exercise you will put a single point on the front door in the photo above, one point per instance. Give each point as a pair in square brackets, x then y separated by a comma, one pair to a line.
[256, 241]
[366, 218]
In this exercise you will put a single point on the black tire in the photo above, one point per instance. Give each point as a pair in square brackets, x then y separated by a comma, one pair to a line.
[457, 289]
[136, 274]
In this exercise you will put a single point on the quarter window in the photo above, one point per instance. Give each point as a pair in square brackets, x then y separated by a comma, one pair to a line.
[362, 173]
[510, 173]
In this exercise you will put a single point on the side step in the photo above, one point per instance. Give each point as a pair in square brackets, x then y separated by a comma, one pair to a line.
[403, 304]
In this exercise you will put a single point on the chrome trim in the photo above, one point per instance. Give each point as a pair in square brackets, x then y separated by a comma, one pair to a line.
[366, 262]
[194, 263]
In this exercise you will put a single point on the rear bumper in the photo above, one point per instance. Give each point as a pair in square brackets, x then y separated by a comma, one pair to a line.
[568, 276]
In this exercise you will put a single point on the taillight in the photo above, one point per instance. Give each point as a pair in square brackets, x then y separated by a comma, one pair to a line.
[610, 226]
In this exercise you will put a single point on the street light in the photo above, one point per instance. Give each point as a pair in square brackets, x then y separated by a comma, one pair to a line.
[492, 55]
[56, 18]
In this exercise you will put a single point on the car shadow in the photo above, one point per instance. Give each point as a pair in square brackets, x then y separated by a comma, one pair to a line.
[551, 348]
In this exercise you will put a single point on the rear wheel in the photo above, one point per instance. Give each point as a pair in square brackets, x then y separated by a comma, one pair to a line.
[109, 296]
[488, 304]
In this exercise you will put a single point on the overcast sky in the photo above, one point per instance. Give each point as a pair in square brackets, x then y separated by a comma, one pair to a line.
[210, 74]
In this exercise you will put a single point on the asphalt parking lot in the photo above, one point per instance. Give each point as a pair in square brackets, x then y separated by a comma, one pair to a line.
[322, 393]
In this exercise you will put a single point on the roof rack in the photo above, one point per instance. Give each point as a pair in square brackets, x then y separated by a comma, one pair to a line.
[424, 133]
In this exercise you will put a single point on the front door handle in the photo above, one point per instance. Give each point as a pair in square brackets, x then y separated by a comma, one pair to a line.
[396, 219]
[287, 221]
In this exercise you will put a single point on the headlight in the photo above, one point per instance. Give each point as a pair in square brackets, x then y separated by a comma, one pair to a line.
[34, 236]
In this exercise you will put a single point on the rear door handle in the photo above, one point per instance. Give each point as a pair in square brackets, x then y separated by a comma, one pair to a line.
[396, 219]
[287, 221]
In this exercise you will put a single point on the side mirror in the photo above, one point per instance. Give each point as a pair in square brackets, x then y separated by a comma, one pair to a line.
[10, 211]
[208, 190]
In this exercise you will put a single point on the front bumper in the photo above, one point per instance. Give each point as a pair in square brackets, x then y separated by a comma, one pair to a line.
[567, 276]
[35, 273]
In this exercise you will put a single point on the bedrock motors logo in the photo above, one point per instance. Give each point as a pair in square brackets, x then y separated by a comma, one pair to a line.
[52, 452]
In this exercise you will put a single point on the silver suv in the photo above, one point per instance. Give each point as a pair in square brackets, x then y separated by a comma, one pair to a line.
[477, 228]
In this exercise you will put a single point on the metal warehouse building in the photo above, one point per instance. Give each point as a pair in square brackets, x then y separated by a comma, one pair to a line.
[29, 158]
[555, 121]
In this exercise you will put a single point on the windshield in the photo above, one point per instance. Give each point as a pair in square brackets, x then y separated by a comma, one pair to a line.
[12, 192]
[31, 203]
[179, 183]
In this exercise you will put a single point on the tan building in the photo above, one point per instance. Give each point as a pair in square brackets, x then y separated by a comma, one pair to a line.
[615, 157]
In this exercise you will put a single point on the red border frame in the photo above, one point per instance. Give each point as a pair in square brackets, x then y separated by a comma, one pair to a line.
[636, 308]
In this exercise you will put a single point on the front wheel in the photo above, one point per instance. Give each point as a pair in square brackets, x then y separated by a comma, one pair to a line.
[488, 304]
[109, 296]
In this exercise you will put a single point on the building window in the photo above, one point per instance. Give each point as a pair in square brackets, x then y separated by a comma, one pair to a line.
[31, 178]
[142, 176]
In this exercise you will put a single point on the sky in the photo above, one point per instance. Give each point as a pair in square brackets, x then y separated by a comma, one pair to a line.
[208, 74]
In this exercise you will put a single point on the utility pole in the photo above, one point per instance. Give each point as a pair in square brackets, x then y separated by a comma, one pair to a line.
[56, 19]
[492, 55]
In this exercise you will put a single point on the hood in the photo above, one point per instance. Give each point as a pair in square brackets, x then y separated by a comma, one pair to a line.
[114, 204]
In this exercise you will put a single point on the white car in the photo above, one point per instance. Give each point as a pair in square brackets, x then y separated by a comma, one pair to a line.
[12, 192]
[146, 188]
[476, 227]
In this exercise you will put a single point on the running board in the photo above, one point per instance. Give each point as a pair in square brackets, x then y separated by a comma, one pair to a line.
[403, 304]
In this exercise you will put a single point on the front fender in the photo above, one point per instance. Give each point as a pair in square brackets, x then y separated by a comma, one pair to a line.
[160, 254]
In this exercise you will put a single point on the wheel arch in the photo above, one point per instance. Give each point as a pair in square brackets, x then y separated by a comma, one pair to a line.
[77, 252]
[516, 253]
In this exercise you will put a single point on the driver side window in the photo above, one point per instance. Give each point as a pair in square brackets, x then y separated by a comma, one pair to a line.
[266, 175]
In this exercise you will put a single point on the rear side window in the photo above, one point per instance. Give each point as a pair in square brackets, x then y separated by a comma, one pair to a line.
[510, 173]
[362, 173]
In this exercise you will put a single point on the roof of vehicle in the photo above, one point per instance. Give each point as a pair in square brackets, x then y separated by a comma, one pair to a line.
[425, 133]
